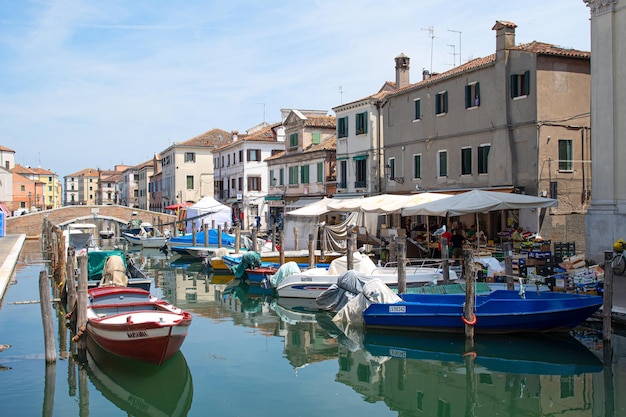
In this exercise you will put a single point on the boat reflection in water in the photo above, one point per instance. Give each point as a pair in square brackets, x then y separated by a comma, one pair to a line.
[436, 374]
[425, 374]
[142, 389]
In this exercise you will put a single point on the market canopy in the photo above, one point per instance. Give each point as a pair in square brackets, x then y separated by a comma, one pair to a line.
[312, 209]
[478, 201]
[384, 203]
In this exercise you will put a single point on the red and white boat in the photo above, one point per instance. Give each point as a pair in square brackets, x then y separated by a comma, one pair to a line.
[132, 323]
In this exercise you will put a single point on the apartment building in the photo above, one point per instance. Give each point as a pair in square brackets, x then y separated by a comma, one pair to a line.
[515, 121]
[241, 176]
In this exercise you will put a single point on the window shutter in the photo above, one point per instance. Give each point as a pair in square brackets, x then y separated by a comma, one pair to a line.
[364, 122]
[468, 98]
[478, 90]
[527, 82]
[445, 102]
[513, 86]
[437, 104]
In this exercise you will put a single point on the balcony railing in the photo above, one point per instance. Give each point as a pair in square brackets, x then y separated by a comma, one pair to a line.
[342, 185]
[360, 184]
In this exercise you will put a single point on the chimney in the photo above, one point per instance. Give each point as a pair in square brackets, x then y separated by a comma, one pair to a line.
[402, 71]
[235, 134]
[425, 74]
[505, 35]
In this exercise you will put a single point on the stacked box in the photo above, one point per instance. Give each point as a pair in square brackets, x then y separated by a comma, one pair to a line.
[518, 263]
[563, 250]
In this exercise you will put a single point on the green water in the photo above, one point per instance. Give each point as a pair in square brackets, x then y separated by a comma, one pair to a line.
[250, 355]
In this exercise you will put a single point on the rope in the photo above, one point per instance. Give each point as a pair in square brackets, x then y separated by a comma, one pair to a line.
[80, 332]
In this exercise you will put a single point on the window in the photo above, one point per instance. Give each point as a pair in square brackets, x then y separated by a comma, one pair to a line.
[343, 174]
[342, 127]
[293, 175]
[222, 162]
[361, 123]
[228, 159]
[254, 183]
[315, 138]
[442, 163]
[565, 155]
[22, 188]
[293, 140]
[441, 103]
[190, 157]
[472, 95]
[232, 183]
[240, 183]
[241, 155]
[417, 166]
[392, 168]
[320, 172]
[281, 176]
[417, 109]
[271, 178]
[483, 159]
[190, 182]
[361, 172]
[466, 161]
[254, 154]
[304, 174]
[520, 84]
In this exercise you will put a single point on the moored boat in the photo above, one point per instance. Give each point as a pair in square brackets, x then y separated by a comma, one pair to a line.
[132, 323]
[497, 312]
[147, 236]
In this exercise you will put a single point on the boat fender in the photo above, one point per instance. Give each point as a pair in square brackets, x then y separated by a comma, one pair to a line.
[471, 322]
[129, 320]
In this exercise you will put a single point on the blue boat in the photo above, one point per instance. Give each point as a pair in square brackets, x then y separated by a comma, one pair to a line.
[187, 240]
[501, 311]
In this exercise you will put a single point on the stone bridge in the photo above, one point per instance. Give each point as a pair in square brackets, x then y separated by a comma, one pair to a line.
[102, 216]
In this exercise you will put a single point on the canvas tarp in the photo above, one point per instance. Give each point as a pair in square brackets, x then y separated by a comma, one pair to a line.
[212, 209]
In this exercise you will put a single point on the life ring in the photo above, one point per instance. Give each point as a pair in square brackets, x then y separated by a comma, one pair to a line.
[471, 322]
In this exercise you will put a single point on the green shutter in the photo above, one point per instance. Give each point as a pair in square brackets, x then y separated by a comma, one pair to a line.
[513, 85]
[315, 138]
[437, 104]
[527, 82]
[320, 172]
[468, 96]
[445, 102]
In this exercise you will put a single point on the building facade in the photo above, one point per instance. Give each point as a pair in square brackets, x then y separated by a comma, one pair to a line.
[515, 121]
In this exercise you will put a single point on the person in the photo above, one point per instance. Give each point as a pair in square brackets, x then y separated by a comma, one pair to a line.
[258, 222]
[516, 236]
[457, 241]
[471, 233]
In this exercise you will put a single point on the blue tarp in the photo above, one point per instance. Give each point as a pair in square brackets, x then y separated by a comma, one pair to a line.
[187, 240]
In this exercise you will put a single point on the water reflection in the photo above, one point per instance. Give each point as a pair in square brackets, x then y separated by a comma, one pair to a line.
[412, 374]
[141, 389]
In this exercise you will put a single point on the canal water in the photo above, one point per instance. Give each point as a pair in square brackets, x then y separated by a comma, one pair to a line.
[248, 354]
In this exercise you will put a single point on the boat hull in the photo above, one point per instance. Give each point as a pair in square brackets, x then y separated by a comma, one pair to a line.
[146, 242]
[496, 313]
[130, 323]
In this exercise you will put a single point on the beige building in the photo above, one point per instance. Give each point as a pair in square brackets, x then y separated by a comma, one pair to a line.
[187, 168]
[606, 217]
[515, 121]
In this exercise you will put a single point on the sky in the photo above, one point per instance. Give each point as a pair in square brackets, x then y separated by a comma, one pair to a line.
[94, 84]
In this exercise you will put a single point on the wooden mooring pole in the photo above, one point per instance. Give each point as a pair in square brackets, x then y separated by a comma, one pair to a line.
[445, 260]
[254, 239]
[401, 265]
[607, 301]
[281, 249]
[311, 252]
[219, 236]
[237, 238]
[81, 306]
[349, 249]
[46, 315]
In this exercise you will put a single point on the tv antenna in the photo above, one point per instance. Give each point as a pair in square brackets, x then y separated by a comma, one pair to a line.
[340, 88]
[453, 53]
[459, 32]
[431, 35]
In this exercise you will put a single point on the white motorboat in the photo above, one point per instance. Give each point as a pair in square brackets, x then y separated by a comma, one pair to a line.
[148, 236]
[289, 281]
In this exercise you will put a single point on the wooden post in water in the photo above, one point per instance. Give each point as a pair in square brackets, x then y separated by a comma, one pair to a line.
[81, 307]
[212, 224]
[46, 315]
[445, 260]
[311, 252]
[508, 265]
[607, 301]
[323, 245]
[295, 236]
[49, 389]
[219, 236]
[237, 238]
[349, 249]
[254, 238]
[274, 242]
[281, 249]
[401, 265]
[70, 282]
[469, 318]
[206, 233]
[193, 234]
